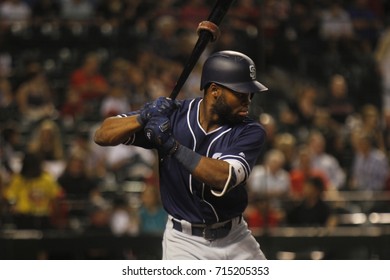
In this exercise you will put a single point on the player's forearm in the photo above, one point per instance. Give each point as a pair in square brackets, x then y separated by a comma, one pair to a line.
[212, 172]
[115, 130]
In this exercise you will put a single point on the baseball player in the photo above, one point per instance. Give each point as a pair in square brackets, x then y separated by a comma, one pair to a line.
[207, 147]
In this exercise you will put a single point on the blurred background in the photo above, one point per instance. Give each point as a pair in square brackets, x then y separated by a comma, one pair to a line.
[321, 188]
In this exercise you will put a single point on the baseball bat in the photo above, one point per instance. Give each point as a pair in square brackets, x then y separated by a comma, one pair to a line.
[205, 36]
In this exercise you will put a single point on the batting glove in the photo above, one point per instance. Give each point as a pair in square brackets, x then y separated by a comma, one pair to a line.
[158, 132]
[162, 106]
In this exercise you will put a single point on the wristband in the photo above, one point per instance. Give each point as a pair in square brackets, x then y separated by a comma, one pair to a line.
[187, 157]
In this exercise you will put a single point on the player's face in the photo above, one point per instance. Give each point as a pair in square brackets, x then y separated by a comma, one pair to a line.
[232, 107]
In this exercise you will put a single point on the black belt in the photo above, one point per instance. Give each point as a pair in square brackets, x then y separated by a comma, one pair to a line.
[208, 232]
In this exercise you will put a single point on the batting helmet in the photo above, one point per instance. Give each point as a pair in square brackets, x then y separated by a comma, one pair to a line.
[233, 70]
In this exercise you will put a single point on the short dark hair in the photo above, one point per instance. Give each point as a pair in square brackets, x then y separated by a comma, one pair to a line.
[317, 182]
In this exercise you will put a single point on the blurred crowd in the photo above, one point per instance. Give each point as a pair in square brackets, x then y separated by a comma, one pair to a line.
[65, 65]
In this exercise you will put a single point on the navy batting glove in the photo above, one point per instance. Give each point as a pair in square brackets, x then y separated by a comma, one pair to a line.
[162, 106]
[158, 132]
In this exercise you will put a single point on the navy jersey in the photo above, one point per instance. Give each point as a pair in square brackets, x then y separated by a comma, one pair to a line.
[183, 196]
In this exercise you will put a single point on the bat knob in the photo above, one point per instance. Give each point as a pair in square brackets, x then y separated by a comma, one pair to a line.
[210, 27]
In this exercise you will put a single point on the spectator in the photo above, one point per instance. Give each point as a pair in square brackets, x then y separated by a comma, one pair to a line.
[75, 180]
[81, 143]
[304, 107]
[245, 16]
[152, 216]
[271, 127]
[268, 187]
[9, 152]
[72, 110]
[35, 97]
[165, 41]
[312, 210]
[370, 167]
[14, 11]
[90, 83]
[47, 141]
[286, 143]
[365, 23]
[76, 10]
[115, 102]
[31, 194]
[325, 162]
[333, 135]
[335, 22]
[260, 215]
[338, 103]
[371, 123]
[123, 220]
[191, 13]
[270, 180]
[303, 170]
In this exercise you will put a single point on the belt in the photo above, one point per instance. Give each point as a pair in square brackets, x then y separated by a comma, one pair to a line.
[208, 232]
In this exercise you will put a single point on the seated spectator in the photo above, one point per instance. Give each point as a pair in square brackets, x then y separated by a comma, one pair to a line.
[152, 216]
[35, 98]
[76, 9]
[31, 194]
[371, 123]
[260, 215]
[338, 103]
[335, 22]
[47, 141]
[366, 24]
[312, 210]
[124, 219]
[14, 11]
[72, 109]
[270, 180]
[9, 151]
[370, 166]
[115, 102]
[325, 162]
[286, 143]
[303, 170]
[191, 13]
[90, 83]
[75, 180]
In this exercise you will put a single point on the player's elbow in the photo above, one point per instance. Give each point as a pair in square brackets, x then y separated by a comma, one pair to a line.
[100, 138]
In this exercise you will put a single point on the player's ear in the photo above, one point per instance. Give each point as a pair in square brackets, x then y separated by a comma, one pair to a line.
[214, 89]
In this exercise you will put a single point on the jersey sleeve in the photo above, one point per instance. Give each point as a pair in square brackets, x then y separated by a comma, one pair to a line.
[244, 150]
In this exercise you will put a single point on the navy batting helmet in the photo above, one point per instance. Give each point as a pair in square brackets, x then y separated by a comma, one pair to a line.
[233, 70]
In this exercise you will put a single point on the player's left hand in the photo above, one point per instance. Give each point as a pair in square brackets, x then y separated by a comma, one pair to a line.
[162, 106]
[158, 131]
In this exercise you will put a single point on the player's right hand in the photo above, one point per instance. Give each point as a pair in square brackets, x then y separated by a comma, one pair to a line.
[162, 106]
